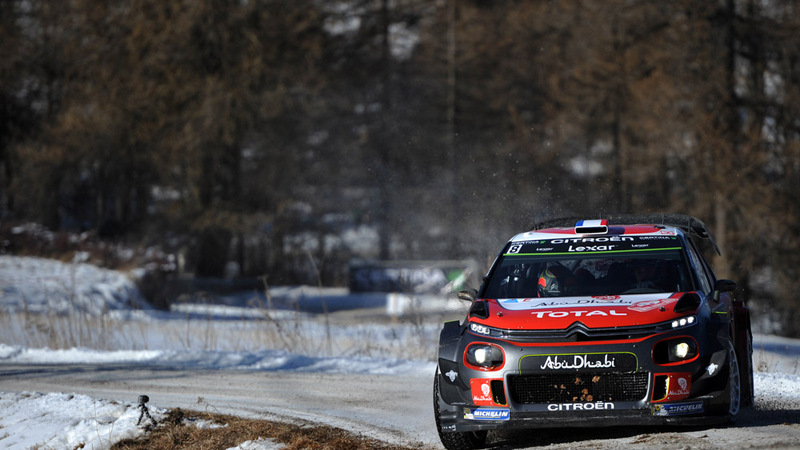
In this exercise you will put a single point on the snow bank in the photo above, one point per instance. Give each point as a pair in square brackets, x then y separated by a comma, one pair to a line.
[55, 420]
[41, 285]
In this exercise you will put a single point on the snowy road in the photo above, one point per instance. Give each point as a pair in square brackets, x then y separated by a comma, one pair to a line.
[395, 409]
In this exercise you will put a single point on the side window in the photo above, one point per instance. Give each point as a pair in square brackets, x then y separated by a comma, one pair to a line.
[699, 268]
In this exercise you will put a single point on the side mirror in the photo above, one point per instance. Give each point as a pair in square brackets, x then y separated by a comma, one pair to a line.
[468, 295]
[723, 286]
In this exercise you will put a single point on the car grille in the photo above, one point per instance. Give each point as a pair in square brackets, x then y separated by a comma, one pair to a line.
[579, 332]
[578, 388]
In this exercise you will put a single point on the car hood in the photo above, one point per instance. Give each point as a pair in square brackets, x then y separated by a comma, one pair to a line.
[594, 312]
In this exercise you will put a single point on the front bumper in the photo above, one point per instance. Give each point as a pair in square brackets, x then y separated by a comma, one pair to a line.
[563, 386]
[463, 419]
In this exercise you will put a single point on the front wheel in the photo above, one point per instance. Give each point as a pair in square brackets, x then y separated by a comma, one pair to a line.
[734, 384]
[454, 440]
[746, 371]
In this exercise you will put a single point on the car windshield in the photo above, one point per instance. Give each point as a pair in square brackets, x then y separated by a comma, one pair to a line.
[589, 267]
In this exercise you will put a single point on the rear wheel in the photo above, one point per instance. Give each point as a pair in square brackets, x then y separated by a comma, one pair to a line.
[454, 440]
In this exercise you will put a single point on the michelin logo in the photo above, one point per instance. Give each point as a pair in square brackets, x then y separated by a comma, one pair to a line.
[678, 409]
[487, 414]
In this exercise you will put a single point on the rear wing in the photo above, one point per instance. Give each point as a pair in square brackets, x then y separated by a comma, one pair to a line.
[688, 224]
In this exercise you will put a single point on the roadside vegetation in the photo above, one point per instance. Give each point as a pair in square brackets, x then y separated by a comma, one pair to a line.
[229, 431]
[310, 335]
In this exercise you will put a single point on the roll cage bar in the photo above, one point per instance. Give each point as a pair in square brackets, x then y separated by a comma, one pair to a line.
[688, 224]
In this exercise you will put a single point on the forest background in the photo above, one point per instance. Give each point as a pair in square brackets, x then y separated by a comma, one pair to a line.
[290, 137]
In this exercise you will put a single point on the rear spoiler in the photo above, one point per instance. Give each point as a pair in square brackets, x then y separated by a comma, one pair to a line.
[689, 224]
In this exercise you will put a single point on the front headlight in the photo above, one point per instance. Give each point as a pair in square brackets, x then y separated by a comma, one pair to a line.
[679, 351]
[675, 350]
[484, 356]
[480, 329]
[483, 330]
[683, 322]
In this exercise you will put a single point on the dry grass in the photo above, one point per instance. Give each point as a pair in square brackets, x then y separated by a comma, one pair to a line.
[174, 433]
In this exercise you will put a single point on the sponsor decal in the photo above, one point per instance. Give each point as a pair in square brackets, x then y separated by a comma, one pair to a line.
[591, 240]
[607, 244]
[596, 406]
[678, 386]
[487, 414]
[578, 302]
[677, 409]
[649, 305]
[573, 303]
[579, 361]
[681, 389]
[557, 314]
[530, 242]
[591, 248]
[482, 392]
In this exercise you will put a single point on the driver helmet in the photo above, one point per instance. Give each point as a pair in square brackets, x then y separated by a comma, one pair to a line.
[554, 281]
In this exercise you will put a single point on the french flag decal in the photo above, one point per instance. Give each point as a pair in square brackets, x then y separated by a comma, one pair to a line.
[591, 227]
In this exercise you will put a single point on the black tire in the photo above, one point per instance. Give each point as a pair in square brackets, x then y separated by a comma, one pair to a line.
[734, 402]
[746, 371]
[454, 440]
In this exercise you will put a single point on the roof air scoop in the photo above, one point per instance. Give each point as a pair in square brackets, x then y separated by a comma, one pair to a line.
[591, 227]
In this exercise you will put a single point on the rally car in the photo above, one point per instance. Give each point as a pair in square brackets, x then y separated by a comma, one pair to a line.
[596, 323]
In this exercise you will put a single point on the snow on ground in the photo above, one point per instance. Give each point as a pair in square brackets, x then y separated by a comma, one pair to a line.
[41, 285]
[75, 313]
[207, 359]
[57, 420]
[63, 420]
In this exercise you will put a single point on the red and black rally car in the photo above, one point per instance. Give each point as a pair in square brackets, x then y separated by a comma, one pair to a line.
[595, 323]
